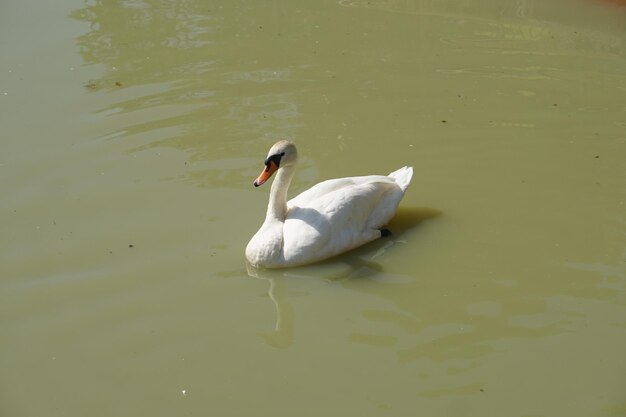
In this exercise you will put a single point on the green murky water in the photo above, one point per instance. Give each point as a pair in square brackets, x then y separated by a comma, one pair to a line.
[132, 131]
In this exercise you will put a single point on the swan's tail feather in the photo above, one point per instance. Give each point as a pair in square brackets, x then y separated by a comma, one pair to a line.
[403, 177]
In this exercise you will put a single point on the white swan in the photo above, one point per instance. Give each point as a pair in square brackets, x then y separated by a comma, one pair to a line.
[329, 218]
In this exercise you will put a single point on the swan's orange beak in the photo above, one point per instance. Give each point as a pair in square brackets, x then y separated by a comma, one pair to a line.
[270, 168]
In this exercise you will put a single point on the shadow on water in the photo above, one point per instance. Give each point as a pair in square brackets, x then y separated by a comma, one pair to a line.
[408, 218]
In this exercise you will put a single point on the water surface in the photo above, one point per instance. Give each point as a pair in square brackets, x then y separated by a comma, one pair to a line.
[132, 132]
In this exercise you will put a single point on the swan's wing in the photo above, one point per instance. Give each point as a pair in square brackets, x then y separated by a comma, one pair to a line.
[324, 188]
[338, 215]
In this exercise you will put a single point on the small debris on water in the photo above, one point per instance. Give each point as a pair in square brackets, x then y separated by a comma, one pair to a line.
[131, 245]
[184, 392]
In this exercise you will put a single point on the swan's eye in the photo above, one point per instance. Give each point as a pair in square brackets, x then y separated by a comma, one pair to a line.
[275, 159]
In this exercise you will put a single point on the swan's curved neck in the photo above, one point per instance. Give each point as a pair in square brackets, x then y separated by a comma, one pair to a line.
[277, 207]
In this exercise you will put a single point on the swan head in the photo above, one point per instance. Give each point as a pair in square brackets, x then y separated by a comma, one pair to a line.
[282, 154]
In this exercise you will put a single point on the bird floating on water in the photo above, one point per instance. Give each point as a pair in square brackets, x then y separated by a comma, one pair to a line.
[329, 218]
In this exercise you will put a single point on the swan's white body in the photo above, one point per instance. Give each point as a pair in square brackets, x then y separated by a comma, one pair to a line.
[329, 218]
